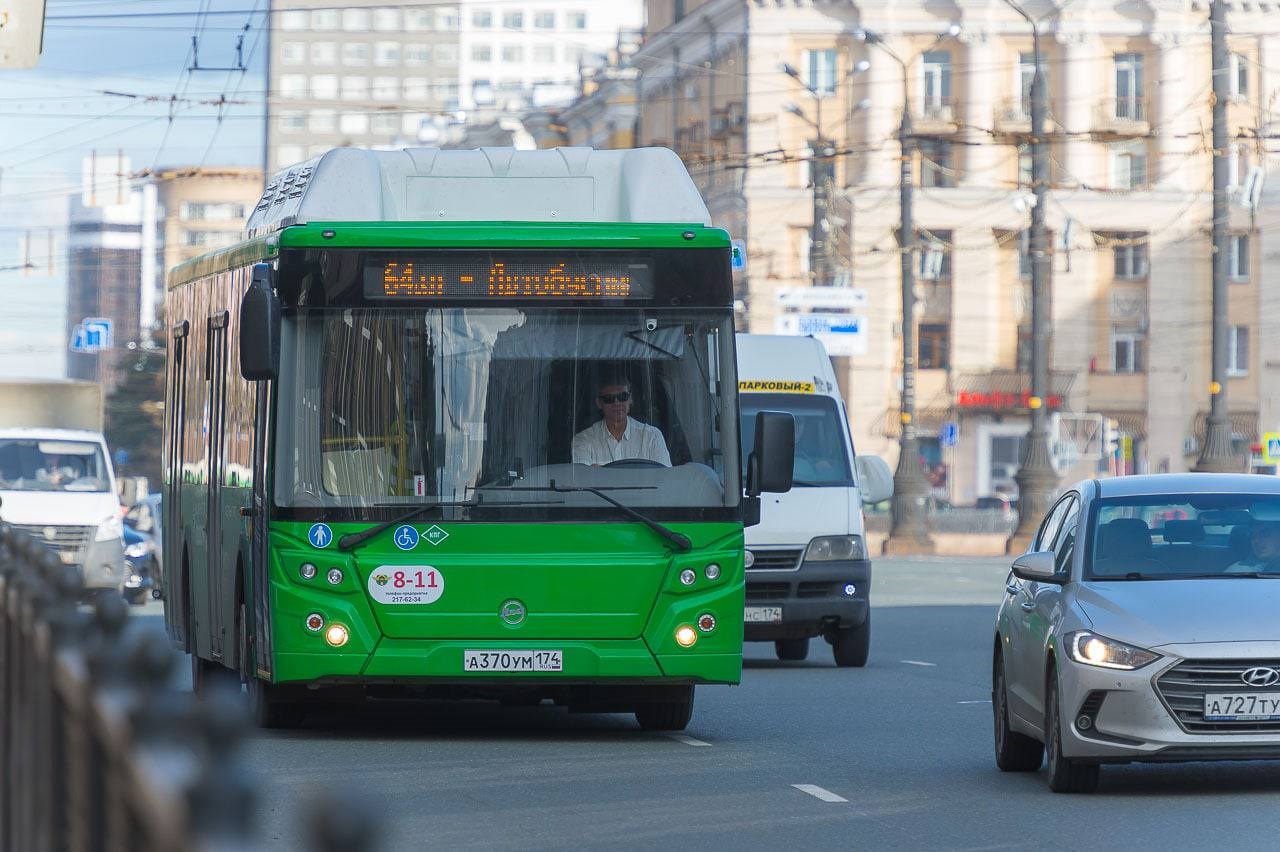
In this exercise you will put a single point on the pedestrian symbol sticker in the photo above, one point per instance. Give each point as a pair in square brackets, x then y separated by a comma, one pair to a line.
[406, 537]
[320, 535]
[435, 535]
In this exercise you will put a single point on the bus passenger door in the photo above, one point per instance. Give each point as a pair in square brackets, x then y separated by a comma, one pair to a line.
[217, 355]
[175, 432]
[256, 608]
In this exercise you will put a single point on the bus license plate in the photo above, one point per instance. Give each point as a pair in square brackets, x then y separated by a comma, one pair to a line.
[512, 661]
[762, 614]
[1242, 707]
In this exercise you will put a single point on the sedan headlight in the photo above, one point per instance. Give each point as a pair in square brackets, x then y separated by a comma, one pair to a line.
[110, 529]
[1094, 650]
[832, 547]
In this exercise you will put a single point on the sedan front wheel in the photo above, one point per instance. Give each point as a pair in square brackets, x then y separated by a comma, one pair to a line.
[1015, 752]
[1066, 775]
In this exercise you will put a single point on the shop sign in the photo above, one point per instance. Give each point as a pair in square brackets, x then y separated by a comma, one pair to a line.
[1001, 400]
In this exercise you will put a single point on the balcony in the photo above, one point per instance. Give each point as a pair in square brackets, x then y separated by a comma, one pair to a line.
[936, 116]
[1013, 116]
[1122, 118]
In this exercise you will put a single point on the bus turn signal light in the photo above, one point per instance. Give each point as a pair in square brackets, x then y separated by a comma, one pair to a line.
[315, 622]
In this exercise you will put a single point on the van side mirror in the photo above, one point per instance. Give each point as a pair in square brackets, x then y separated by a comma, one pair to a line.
[769, 467]
[875, 479]
[260, 315]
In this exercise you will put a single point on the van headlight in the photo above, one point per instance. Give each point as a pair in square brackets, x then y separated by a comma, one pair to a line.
[1094, 650]
[830, 548]
[110, 529]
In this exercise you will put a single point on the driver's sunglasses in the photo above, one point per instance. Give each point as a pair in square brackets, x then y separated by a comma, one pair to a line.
[610, 398]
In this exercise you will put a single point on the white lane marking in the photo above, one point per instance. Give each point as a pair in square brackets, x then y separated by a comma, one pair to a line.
[917, 663]
[689, 741]
[819, 793]
[983, 701]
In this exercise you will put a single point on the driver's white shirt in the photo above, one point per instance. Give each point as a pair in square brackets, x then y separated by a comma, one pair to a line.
[595, 445]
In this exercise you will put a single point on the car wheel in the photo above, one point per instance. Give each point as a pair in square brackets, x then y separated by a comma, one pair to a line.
[1065, 774]
[852, 645]
[670, 715]
[267, 706]
[791, 649]
[1015, 752]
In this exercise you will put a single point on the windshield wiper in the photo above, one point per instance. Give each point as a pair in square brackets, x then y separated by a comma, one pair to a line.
[679, 540]
[351, 540]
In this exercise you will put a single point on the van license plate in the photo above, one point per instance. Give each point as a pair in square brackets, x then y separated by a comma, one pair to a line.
[1242, 707]
[762, 615]
[512, 661]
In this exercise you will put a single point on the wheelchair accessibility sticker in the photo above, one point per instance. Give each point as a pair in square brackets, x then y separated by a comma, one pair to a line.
[320, 535]
[406, 537]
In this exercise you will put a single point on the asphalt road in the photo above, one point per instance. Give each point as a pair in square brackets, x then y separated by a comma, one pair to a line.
[893, 756]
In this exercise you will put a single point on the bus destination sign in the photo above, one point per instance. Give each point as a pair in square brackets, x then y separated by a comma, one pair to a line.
[519, 276]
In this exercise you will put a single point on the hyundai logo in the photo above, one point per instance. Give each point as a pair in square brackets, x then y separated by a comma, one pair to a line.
[512, 612]
[1261, 676]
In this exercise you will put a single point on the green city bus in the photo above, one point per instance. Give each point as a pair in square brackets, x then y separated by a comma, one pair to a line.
[379, 468]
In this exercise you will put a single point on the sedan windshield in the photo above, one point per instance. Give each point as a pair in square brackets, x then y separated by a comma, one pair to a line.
[34, 465]
[1185, 536]
[497, 405]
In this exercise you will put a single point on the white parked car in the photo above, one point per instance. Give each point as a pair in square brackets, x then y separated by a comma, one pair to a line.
[1142, 626]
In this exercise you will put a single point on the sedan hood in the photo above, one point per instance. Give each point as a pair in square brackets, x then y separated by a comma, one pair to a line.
[1152, 613]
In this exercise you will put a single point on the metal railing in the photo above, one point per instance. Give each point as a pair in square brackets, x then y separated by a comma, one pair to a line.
[98, 750]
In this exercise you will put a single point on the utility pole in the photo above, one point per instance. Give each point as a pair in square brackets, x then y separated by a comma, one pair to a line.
[268, 22]
[1036, 477]
[1216, 454]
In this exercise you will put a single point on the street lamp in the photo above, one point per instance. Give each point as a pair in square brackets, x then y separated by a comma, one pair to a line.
[907, 532]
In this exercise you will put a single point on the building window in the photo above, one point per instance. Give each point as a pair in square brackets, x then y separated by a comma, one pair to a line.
[385, 88]
[386, 53]
[293, 20]
[481, 53]
[1130, 254]
[1238, 257]
[1129, 101]
[577, 20]
[324, 87]
[544, 20]
[1026, 74]
[544, 53]
[325, 19]
[1024, 165]
[1129, 165]
[417, 55]
[386, 124]
[512, 53]
[355, 88]
[293, 53]
[1126, 351]
[355, 20]
[1024, 253]
[292, 121]
[386, 19]
[446, 54]
[1238, 350]
[935, 346]
[209, 239]
[324, 53]
[1237, 164]
[935, 92]
[482, 91]
[482, 19]
[417, 20]
[355, 53]
[935, 163]
[293, 85]
[820, 70]
[935, 256]
[1239, 76]
[322, 121]
[513, 20]
[448, 20]
[211, 211]
[354, 123]
[417, 89]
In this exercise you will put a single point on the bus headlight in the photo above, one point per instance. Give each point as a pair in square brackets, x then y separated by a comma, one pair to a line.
[687, 576]
[712, 571]
[686, 636]
[308, 571]
[335, 576]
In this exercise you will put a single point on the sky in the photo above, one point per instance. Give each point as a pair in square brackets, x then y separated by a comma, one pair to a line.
[108, 84]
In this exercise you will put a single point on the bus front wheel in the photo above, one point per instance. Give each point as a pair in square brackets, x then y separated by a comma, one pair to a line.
[267, 706]
[671, 713]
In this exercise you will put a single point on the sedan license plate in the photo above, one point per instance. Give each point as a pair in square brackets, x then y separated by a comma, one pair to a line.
[1242, 707]
[512, 661]
[762, 615]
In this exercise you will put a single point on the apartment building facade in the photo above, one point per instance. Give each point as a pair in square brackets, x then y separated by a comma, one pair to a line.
[1130, 210]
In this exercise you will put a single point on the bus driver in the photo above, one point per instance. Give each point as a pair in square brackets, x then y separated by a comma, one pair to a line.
[617, 435]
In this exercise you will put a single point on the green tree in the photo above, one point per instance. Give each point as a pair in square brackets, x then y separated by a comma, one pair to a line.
[135, 414]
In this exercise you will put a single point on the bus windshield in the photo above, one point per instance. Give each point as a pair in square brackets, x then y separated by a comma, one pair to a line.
[397, 407]
[822, 457]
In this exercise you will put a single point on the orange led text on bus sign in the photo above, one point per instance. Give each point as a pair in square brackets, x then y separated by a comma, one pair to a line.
[400, 278]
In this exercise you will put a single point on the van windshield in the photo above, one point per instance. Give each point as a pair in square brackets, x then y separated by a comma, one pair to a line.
[34, 465]
[822, 448]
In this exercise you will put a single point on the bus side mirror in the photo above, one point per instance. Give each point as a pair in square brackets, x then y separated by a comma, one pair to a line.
[769, 467]
[260, 328]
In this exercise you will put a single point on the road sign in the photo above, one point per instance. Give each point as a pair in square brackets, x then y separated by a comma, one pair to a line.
[822, 297]
[949, 434]
[841, 334]
[1271, 448]
[739, 254]
[91, 334]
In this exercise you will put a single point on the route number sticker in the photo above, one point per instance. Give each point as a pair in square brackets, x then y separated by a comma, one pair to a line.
[406, 584]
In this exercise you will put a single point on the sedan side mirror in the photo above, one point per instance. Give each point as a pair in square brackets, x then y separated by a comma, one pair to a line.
[1040, 566]
[260, 327]
[771, 463]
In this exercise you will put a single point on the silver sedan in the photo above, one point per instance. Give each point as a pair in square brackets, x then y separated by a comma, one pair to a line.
[1142, 625]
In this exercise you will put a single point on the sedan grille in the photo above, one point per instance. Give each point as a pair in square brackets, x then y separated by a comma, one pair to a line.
[1184, 686]
[775, 560]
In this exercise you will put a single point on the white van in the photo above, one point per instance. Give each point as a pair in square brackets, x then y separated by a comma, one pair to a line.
[808, 571]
